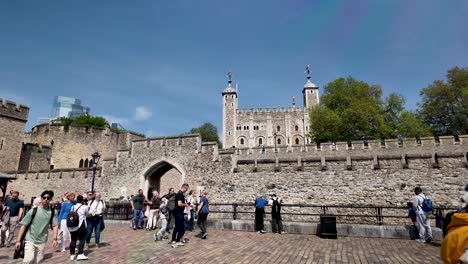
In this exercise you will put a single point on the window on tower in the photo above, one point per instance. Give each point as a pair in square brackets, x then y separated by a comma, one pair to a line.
[278, 128]
[260, 141]
[279, 141]
[242, 141]
[296, 128]
[297, 141]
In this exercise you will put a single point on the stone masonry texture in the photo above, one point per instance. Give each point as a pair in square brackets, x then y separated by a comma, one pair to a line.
[12, 123]
[376, 174]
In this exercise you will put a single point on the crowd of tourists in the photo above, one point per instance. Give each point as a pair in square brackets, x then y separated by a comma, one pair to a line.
[176, 211]
[78, 217]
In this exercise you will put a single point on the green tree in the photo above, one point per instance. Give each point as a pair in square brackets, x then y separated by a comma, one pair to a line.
[90, 121]
[409, 126]
[352, 109]
[326, 123]
[444, 105]
[393, 107]
[208, 133]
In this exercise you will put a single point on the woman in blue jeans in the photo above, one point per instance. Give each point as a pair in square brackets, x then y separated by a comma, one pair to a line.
[95, 219]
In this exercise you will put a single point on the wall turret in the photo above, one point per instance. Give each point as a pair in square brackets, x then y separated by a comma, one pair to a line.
[229, 113]
[310, 91]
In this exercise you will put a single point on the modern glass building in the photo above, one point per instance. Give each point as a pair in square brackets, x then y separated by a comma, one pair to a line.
[67, 107]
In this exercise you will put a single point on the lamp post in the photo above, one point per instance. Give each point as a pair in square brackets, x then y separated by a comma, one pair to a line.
[96, 157]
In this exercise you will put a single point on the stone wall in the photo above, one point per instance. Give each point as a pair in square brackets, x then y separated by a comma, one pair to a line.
[34, 157]
[70, 145]
[31, 184]
[13, 120]
[332, 174]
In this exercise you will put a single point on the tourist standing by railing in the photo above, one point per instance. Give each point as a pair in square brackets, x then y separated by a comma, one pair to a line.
[94, 219]
[260, 204]
[62, 219]
[277, 223]
[423, 221]
[137, 209]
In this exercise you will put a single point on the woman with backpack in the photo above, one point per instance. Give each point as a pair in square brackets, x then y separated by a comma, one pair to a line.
[62, 219]
[76, 223]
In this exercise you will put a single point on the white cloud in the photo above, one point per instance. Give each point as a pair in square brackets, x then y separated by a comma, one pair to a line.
[142, 113]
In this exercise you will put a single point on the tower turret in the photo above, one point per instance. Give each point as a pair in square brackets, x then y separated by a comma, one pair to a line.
[310, 91]
[229, 114]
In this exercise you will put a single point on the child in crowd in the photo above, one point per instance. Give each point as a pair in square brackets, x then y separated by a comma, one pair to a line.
[163, 214]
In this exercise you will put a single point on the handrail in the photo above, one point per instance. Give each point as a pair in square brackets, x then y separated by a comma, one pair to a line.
[121, 211]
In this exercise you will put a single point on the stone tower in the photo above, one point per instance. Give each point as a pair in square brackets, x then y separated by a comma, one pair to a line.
[13, 120]
[229, 114]
[310, 91]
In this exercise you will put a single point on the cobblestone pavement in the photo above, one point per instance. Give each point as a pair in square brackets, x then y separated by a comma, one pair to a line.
[123, 245]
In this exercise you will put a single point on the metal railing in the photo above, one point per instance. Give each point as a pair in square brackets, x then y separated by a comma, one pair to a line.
[358, 214]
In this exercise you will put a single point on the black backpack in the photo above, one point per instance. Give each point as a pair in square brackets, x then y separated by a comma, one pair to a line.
[171, 203]
[156, 203]
[73, 219]
[276, 207]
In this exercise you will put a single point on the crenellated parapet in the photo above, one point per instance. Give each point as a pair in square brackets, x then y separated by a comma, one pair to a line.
[255, 111]
[12, 110]
[431, 149]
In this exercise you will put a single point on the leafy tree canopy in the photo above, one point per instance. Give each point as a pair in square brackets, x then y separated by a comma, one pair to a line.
[354, 110]
[208, 133]
[444, 104]
[86, 120]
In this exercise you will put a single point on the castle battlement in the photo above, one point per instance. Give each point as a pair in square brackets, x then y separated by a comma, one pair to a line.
[12, 110]
[253, 111]
[443, 144]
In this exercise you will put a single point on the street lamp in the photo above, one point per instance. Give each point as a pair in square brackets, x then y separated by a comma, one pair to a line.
[96, 157]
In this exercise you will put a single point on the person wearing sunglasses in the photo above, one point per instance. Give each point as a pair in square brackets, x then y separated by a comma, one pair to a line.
[38, 220]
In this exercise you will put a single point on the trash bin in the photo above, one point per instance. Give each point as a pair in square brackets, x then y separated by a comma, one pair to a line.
[328, 226]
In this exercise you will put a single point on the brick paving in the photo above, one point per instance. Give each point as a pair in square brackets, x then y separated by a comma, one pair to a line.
[123, 245]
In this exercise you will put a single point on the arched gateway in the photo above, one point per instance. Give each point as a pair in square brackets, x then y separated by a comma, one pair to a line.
[160, 175]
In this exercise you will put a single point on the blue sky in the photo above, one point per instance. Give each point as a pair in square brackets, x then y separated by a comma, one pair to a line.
[159, 67]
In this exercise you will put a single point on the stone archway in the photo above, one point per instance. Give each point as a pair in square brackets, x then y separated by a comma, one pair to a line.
[161, 175]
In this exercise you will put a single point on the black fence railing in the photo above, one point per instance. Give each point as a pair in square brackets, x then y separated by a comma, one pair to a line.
[357, 214]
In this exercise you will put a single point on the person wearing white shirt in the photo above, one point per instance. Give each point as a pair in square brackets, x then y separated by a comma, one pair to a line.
[95, 219]
[78, 232]
[423, 222]
[192, 203]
